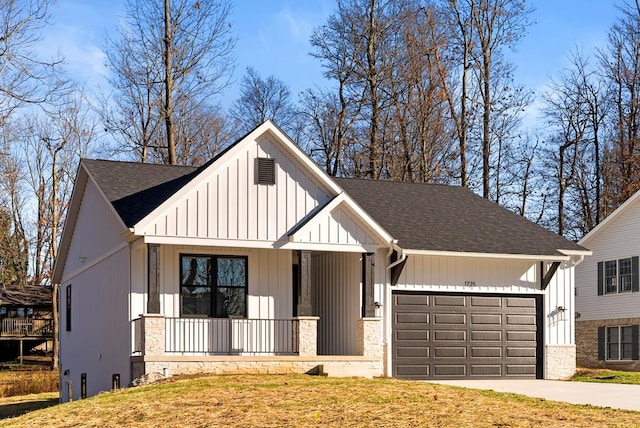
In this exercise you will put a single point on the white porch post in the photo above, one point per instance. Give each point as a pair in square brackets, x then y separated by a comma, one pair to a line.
[152, 334]
[306, 336]
[370, 337]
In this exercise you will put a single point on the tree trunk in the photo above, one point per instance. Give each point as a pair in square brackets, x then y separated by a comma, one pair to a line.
[168, 85]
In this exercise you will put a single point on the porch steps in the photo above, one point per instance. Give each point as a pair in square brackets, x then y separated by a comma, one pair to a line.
[345, 370]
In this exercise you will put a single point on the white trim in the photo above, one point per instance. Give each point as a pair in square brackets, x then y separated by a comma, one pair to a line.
[556, 258]
[95, 261]
[346, 248]
[210, 242]
[235, 243]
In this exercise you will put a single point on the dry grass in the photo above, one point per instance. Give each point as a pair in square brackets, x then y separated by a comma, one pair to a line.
[13, 383]
[294, 401]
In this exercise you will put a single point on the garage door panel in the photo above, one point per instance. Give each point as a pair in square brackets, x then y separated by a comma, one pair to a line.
[450, 352]
[486, 352]
[521, 336]
[487, 319]
[449, 335]
[520, 302]
[411, 318]
[454, 319]
[411, 299]
[486, 370]
[410, 351]
[422, 335]
[485, 302]
[450, 301]
[449, 370]
[465, 336]
[521, 370]
[416, 371]
[521, 352]
[521, 320]
[486, 336]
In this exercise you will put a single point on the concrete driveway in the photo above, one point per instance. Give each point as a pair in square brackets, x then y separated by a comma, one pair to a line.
[616, 396]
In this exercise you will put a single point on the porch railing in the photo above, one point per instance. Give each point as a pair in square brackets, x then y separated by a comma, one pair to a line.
[231, 336]
[26, 327]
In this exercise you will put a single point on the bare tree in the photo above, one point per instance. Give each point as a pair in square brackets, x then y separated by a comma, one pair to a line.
[25, 78]
[261, 100]
[171, 58]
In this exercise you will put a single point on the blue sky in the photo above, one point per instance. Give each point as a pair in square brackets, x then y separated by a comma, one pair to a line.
[273, 37]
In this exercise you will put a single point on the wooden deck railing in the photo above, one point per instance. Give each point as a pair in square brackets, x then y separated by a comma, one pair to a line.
[26, 327]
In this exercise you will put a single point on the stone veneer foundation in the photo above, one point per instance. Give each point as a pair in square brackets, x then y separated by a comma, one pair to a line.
[348, 365]
[587, 344]
[559, 361]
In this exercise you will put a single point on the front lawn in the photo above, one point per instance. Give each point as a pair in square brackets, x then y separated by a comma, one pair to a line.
[296, 401]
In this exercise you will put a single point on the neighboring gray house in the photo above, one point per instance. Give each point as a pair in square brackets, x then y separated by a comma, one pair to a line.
[258, 261]
[608, 292]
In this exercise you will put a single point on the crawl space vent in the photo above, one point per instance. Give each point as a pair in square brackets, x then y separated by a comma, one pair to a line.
[265, 171]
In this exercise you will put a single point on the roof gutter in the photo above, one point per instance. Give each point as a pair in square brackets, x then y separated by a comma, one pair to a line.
[402, 256]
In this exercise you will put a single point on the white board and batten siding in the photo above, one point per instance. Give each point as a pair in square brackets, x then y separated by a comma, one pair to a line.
[339, 228]
[225, 203]
[337, 301]
[617, 240]
[494, 276]
[97, 270]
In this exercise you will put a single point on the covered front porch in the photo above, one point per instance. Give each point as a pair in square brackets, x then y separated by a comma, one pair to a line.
[306, 312]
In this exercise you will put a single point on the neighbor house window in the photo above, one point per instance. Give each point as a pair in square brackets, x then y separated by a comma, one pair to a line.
[213, 286]
[618, 343]
[611, 276]
[618, 276]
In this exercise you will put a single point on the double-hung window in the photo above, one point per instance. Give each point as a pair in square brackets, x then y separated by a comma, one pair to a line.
[618, 276]
[619, 342]
[213, 286]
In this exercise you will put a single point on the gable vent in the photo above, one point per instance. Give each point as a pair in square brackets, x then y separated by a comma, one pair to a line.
[265, 171]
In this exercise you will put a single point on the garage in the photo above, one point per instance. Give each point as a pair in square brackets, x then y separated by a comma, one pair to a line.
[448, 336]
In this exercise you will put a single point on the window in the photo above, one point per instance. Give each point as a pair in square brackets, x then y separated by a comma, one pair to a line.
[68, 307]
[611, 276]
[213, 286]
[619, 343]
[624, 267]
[618, 276]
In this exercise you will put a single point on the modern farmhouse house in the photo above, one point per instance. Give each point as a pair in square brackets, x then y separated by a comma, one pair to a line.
[608, 292]
[258, 261]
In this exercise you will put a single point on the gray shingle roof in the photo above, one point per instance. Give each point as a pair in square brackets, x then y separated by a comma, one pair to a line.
[136, 189]
[421, 216]
[449, 218]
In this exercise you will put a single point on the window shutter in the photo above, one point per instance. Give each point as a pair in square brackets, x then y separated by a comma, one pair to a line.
[634, 342]
[601, 343]
[600, 279]
[634, 274]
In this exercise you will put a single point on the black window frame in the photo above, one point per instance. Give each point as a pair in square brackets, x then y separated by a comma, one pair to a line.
[212, 283]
